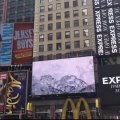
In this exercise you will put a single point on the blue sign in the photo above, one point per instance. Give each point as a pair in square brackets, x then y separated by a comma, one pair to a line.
[6, 31]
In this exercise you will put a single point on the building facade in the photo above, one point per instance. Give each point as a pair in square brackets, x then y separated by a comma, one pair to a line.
[61, 27]
[1, 10]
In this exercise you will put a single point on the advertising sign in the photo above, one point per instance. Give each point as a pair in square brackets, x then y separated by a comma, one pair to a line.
[3, 84]
[109, 80]
[6, 43]
[64, 76]
[107, 26]
[16, 92]
[76, 108]
[22, 43]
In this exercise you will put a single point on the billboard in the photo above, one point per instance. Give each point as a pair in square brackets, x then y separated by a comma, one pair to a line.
[107, 26]
[22, 43]
[64, 76]
[109, 81]
[3, 84]
[6, 36]
[16, 97]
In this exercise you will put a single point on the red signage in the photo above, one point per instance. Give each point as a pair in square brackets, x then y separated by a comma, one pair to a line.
[22, 43]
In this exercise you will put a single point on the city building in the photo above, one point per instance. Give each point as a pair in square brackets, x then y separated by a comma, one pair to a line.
[62, 28]
[1, 10]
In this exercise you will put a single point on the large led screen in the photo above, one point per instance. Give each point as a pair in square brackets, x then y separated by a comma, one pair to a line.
[65, 76]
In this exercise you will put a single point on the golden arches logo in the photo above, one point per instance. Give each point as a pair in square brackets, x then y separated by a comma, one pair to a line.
[76, 108]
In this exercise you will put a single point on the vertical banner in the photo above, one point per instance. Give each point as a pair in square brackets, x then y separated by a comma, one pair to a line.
[22, 43]
[6, 31]
[16, 93]
[3, 82]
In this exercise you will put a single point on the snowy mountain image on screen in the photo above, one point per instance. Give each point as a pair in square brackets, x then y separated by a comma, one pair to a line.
[47, 85]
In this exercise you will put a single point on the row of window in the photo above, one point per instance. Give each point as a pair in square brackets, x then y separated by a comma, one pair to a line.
[58, 5]
[66, 15]
[67, 45]
[67, 35]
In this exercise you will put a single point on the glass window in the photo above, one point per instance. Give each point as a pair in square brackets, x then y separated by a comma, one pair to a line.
[84, 2]
[67, 24]
[67, 45]
[67, 14]
[77, 44]
[76, 23]
[58, 46]
[50, 17]
[41, 38]
[75, 3]
[85, 32]
[41, 58]
[86, 43]
[58, 56]
[75, 13]
[58, 25]
[58, 6]
[76, 33]
[66, 4]
[41, 1]
[49, 57]
[58, 15]
[85, 21]
[67, 34]
[50, 7]
[50, 36]
[84, 12]
[41, 28]
[50, 26]
[42, 18]
[42, 9]
[50, 47]
[41, 48]
[58, 35]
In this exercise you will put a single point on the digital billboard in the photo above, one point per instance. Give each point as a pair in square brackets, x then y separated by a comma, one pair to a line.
[107, 26]
[16, 96]
[6, 37]
[64, 76]
[22, 43]
[109, 81]
[3, 87]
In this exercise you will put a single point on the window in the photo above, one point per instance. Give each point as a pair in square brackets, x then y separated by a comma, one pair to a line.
[58, 56]
[41, 48]
[42, 18]
[41, 58]
[84, 12]
[50, 7]
[77, 44]
[76, 33]
[42, 9]
[50, 36]
[58, 15]
[67, 24]
[58, 25]
[84, 2]
[75, 3]
[86, 43]
[58, 46]
[49, 57]
[41, 1]
[41, 28]
[67, 14]
[50, 47]
[85, 32]
[58, 35]
[67, 34]
[66, 4]
[50, 26]
[41, 38]
[85, 21]
[58, 6]
[49, 0]
[50, 17]
[76, 23]
[75, 13]
[67, 45]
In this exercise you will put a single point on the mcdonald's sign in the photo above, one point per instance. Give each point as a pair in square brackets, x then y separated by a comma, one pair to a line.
[76, 108]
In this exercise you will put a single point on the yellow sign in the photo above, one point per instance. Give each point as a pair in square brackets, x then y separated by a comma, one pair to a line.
[76, 108]
[29, 106]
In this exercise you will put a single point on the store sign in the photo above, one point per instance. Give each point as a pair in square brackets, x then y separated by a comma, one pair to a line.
[76, 108]
[16, 92]
[109, 79]
[107, 26]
